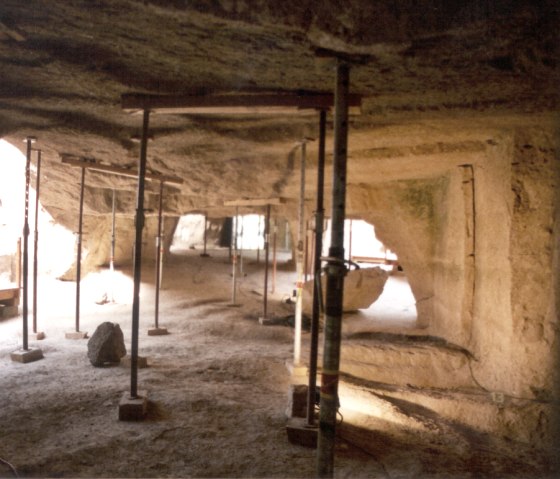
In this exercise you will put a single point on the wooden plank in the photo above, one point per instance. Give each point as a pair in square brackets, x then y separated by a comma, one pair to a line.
[10, 293]
[254, 202]
[246, 103]
[116, 170]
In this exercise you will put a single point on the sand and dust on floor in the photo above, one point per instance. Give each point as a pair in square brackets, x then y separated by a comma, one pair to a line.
[217, 386]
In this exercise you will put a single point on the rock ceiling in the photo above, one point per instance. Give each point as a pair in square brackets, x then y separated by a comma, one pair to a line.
[432, 65]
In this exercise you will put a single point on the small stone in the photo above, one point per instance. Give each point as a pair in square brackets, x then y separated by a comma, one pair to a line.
[106, 346]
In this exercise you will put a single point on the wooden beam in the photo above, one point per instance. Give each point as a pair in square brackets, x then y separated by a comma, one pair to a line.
[254, 202]
[120, 171]
[245, 103]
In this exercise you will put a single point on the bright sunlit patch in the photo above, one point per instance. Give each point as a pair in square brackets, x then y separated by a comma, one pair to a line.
[106, 287]
[56, 243]
[190, 232]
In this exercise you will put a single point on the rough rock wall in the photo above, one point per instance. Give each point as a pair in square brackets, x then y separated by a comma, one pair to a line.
[535, 182]
[473, 231]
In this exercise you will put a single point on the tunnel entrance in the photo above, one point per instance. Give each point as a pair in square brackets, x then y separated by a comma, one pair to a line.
[56, 243]
[396, 306]
[189, 234]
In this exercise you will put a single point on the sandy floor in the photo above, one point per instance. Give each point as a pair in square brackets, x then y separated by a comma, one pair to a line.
[217, 387]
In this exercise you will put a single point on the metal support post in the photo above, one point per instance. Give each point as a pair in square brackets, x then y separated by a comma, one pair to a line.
[350, 241]
[234, 261]
[266, 252]
[158, 253]
[241, 234]
[319, 218]
[79, 249]
[138, 256]
[205, 254]
[299, 259]
[259, 231]
[112, 257]
[29, 140]
[306, 253]
[335, 281]
[274, 239]
[36, 241]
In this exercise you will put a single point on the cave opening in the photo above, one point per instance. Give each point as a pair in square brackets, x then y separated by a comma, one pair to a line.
[56, 244]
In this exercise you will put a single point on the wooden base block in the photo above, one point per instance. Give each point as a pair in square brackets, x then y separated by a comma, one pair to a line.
[133, 409]
[300, 433]
[26, 355]
[157, 332]
[76, 335]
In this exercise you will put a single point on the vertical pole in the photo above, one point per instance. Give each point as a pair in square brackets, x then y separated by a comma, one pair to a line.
[138, 256]
[274, 238]
[205, 254]
[259, 237]
[306, 253]
[299, 254]
[234, 262]
[158, 253]
[18, 264]
[241, 232]
[79, 249]
[112, 258]
[350, 242]
[231, 239]
[29, 141]
[266, 251]
[319, 218]
[36, 241]
[335, 281]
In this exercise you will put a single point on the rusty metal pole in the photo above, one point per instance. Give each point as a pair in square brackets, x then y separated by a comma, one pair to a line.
[306, 253]
[79, 249]
[350, 242]
[36, 242]
[319, 218]
[138, 256]
[29, 140]
[158, 254]
[300, 259]
[274, 236]
[112, 258]
[234, 261]
[266, 252]
[335, 280]
[259, 237]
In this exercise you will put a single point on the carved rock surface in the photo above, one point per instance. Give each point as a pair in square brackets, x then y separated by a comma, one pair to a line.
[362, 287]
[106, 346]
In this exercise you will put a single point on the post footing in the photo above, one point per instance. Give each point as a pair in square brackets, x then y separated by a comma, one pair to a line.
[157, 331]
[271, 321]
[133, 408]
[38, 336]
[76, 335]
[300, 433]
[298, 373]
[26, 355]
[232, 305]
[204, 255]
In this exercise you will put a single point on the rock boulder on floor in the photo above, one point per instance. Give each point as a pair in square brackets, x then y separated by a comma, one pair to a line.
[362, 288]
[106, 346]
